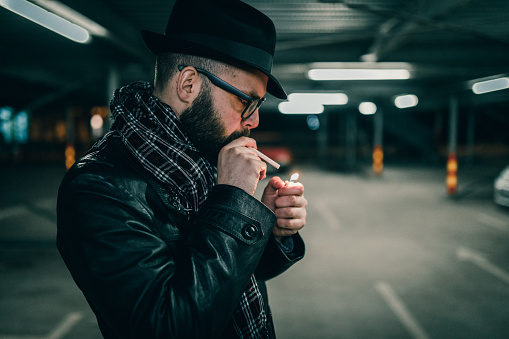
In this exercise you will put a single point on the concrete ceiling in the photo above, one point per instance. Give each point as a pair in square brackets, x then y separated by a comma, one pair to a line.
[446, 44]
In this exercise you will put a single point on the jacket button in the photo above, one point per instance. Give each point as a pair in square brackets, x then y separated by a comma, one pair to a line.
[249, 232]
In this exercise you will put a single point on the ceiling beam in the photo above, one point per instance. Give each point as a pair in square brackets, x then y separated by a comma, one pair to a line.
[395, 32]
[320, 39]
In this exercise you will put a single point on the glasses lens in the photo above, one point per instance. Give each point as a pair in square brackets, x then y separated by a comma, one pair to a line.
[251, 108]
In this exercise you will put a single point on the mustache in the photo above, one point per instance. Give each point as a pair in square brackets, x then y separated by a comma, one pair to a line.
[237, 134]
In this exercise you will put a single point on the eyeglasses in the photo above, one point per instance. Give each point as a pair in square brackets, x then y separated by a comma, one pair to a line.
[251, 105]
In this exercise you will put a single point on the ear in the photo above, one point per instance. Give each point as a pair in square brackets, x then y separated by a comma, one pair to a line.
[188, 85]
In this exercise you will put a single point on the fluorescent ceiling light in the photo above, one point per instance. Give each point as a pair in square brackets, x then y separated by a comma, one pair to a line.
[367, 108]
[490, 85]
[46, 19]
[288, 107]
[405, 101]
[319, 98]
[358, 74]
[361, 65]
[75, 17]
[311, 103]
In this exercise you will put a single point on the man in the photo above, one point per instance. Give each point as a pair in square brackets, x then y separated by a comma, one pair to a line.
[160, 247]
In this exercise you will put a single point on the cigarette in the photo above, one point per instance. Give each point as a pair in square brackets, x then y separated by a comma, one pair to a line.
[266, 158]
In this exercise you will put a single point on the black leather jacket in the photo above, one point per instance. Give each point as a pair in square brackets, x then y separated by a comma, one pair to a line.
[146, 268]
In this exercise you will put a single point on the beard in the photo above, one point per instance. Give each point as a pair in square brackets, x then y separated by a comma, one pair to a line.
[203, 126]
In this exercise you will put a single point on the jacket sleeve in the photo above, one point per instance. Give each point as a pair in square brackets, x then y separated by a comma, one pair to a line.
[145, 284]
[276, 258]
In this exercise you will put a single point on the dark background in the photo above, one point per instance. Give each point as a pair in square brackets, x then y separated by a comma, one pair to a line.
[388, 256]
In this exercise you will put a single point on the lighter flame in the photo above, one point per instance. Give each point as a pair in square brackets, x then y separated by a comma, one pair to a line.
[294, 176]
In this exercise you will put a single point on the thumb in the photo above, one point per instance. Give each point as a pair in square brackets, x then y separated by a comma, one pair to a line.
[274, 184]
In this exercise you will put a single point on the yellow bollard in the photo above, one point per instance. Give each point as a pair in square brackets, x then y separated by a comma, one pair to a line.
[452, 174]
[70, 155]
[378, 159]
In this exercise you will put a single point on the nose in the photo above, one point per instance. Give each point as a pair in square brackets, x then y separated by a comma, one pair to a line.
[253, 121]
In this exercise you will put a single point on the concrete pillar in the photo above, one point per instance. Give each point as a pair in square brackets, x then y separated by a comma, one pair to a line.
[113, 83]
[111, 86]
[351, 140]
[470, 136]
[378, 153]
[70, 151]
[323, 136]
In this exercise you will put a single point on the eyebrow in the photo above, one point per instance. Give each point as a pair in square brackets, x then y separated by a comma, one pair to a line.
[254, 95]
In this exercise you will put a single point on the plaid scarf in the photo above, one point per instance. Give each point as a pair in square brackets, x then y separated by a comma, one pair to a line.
[154, 135]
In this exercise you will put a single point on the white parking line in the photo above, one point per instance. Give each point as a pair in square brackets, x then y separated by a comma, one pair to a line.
[65, 326]
[12, 211]
[38, 207]
[399, 308]
[478, 259]
[57, 333]
[326, 213]
[46, 203]
[493, 221]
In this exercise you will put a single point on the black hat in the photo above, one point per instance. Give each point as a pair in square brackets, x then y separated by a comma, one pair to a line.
[225, 30]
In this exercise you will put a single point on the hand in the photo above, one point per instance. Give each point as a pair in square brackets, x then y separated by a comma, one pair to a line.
[239, 166]
[287, 201]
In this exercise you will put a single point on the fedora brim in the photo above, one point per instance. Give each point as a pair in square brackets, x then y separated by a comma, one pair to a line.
[201, 45]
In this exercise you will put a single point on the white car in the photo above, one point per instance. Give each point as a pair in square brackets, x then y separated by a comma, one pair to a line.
[501, 188]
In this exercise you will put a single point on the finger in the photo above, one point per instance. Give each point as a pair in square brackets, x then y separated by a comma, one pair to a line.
[294, 189]
[238, 167]
[242, 142]
[233, 150]
[291, 201]
[290, 213]
[263, 172]
[274, 184]
[293, 225]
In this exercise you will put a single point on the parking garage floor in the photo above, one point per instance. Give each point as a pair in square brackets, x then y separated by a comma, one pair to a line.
[387, 257]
